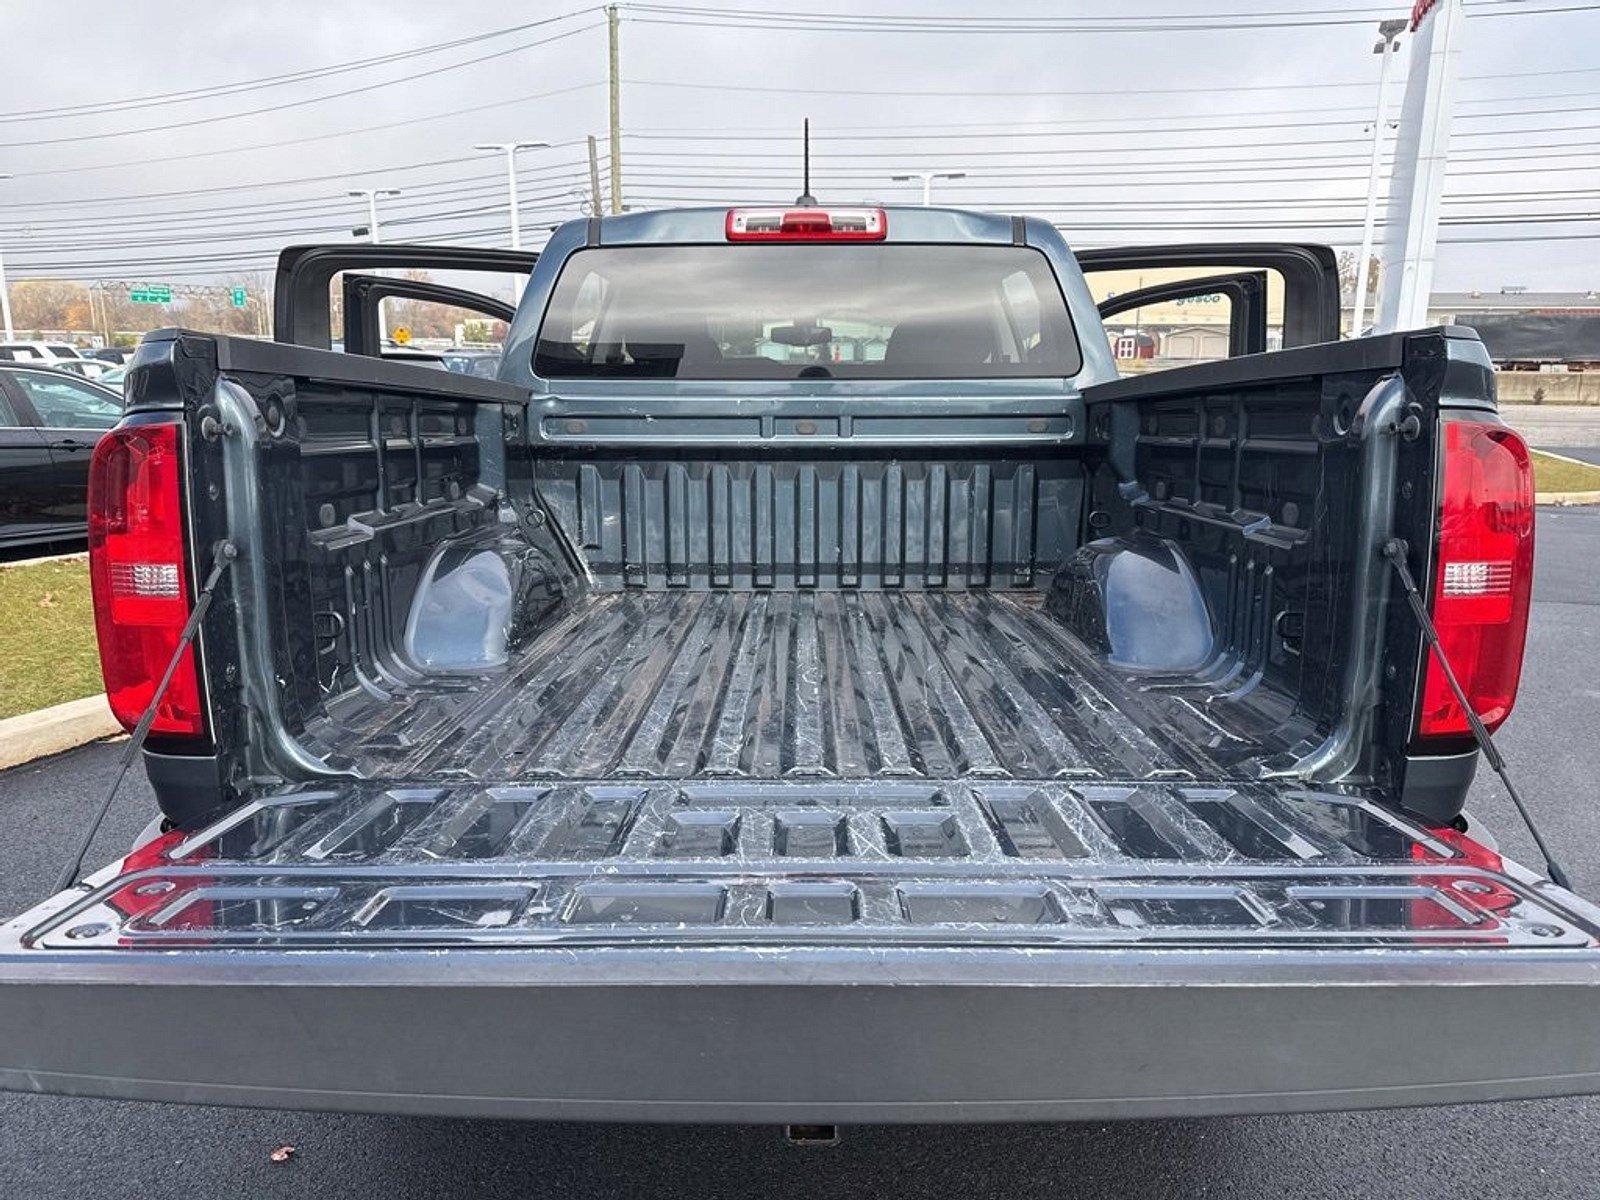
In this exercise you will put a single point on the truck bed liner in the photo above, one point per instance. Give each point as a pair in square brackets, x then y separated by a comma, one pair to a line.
[781, 685]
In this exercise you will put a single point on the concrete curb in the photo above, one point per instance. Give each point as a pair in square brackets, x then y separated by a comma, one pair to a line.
[1566, 499]
[54, 729]
[73, 556]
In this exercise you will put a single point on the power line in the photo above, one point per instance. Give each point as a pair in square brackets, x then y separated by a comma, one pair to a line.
[716, 17]
[256, 185]
[1372, 12]
[226, 221]
[129, 104]
[1107, 126]
[562, 203]
[969, 93]
[1083, 170]
[172, 266]
[1084, 174]
[482, 183]
[1082, 167]
[280, 107]
[318, 137]
[272, 223]
[845, 22]
[1125, 168]
[307, 225]
[889, 159]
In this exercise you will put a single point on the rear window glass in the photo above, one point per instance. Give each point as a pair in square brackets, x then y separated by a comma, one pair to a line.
[807, 312]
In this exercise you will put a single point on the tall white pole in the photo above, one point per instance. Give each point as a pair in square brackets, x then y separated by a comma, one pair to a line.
[5, 291]
[375, 236]
[927, 178]
[511, 188]
[370, 195]
[1388, 32]
[5, 299]
[1422, 150]
[509, 149]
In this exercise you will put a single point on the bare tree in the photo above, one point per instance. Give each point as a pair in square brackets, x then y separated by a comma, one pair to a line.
[40, 304]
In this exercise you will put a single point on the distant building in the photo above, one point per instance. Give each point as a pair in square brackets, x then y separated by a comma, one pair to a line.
[1525, 330]
[1195, 343]
[1443, 307]
[1528, 331]
[1132, 344]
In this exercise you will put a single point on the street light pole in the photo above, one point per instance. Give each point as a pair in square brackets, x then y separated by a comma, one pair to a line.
[509, 149]
[370, 195]
[927, 178]
[5, 291]
[1388, 34]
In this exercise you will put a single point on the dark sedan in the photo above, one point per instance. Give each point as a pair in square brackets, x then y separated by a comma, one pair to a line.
[49, 424]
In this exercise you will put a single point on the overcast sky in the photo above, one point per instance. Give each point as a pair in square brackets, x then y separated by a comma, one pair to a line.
[1120, 135]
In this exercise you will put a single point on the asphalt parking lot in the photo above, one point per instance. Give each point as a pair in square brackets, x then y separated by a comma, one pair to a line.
[1559, 427]
[50, 1146]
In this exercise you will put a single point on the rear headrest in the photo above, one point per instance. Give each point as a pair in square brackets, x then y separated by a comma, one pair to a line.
[940, 340]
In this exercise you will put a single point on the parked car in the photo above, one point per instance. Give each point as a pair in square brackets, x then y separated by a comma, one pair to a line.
[38, 352]
[485, 364]
[700, 722]
[111, 354]
[85, 368]
[113, 378]
[49, 424]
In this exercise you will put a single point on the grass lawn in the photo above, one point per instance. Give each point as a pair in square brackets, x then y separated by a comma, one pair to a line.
[47, 647]
[1552, 474]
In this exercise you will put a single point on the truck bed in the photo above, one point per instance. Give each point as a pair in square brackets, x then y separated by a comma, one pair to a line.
[800, 768]
[777, 686]
[791, 799]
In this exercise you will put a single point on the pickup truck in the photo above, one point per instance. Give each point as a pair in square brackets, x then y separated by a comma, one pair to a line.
[809, 686]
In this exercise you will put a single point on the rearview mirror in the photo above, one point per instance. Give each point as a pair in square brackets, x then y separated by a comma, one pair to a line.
[801, 335]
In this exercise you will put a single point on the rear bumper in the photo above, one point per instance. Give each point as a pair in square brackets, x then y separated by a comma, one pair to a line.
[804, 1035]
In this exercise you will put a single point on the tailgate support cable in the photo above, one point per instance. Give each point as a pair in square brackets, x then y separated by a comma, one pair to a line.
[223, 556]
[1395, 551]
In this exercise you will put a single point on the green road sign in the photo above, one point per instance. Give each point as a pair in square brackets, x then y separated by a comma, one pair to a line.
[239, 298]
[154, 293]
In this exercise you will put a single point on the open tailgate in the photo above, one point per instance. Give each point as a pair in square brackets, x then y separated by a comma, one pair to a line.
[599, 951]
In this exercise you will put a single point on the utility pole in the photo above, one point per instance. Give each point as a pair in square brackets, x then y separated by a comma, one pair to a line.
[509, 149]
[927, 178]
[1422, 150]
[615, 79]
[1388, 34]
[370, 195]
[5, 291]
[99, 314]
[596, 207]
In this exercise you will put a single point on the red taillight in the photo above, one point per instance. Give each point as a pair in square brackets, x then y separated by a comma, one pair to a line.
[139, 576]
[807, 225]
[1485, 575]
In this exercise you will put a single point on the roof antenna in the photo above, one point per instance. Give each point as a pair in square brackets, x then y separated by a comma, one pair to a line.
[805, 196]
